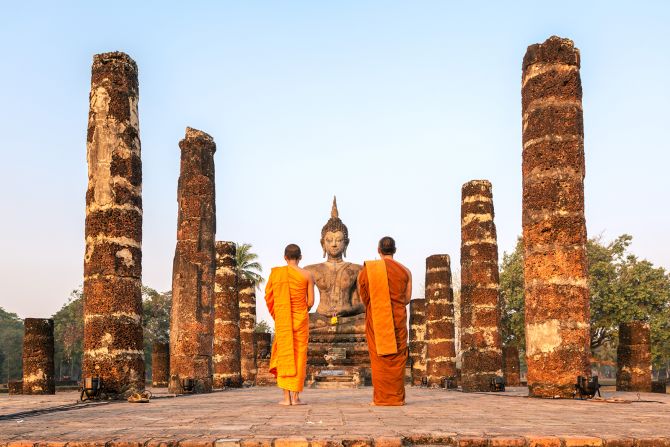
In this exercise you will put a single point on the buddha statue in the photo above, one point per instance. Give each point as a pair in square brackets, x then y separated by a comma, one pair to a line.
[340, 310]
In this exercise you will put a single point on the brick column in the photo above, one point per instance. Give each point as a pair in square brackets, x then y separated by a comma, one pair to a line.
[439, 337]
[247, 300]
[113, 348]
[554, 230]
[511, 367]
[38, 356]
[227, 313]
[633, 357]
[192, 319]
[481, 343]
[160, 364]
[417, 343]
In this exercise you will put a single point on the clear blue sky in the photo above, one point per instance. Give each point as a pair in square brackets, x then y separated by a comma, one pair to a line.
[390, 105]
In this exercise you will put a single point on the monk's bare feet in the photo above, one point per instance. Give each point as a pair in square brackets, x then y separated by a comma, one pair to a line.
[295, 399]
[287, 399]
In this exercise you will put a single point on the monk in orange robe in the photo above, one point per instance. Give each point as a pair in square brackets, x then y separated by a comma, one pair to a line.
[289, 295]
[385, 287]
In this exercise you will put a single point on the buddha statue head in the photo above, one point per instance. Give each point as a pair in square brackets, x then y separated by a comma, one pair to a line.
[334, 235]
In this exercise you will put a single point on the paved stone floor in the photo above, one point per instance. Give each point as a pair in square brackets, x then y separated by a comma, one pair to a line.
[252, 414]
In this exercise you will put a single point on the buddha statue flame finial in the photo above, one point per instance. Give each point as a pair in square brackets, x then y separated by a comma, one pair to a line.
[333, 212]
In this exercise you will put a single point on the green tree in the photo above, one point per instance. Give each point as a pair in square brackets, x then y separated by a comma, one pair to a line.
[511, 297]
[622, 288]
[69, 336]
[156, 309]
[247, 264]
[262, 327]
[11, 346]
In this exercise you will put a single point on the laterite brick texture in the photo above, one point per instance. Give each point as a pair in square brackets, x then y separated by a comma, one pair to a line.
[417, 343]
[554, 228]
[192, 319]
[440, 328]
[38, 356]
[481, 343]
[113, 348]
[160, 364]
[227, 349]
[247, 300]
[633, 357]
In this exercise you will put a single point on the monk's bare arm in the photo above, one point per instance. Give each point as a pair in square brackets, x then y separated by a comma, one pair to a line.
[310, 290]
[408, 291]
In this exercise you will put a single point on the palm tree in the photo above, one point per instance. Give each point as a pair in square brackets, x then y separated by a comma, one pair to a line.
[247, 265]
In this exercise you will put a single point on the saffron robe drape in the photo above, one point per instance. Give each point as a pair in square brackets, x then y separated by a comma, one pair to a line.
[286, 298]
[388, 371]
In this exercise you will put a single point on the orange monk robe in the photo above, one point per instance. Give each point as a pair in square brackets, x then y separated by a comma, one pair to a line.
[388, 371]
[286, 298]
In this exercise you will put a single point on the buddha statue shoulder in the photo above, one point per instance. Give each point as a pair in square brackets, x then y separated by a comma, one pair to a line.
[340, 308]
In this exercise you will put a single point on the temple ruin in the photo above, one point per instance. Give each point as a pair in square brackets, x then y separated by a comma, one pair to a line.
[554, 230]
[38, 356]
[247, 300]
[440, 327]
[192, 318]
[481, 344]
[227, 318]
[113, 348]
[417, 343]
[160, 364]
[633, 357]
[511, 366]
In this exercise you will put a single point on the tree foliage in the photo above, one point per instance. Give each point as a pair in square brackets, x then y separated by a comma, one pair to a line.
[69, 336]
[262, 327]
[11, 343]
[622, 288]
[247, 264]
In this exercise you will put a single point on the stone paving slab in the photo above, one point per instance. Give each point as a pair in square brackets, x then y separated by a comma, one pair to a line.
[252, 418]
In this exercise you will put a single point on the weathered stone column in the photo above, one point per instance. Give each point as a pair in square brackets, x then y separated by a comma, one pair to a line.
[511, 367]
[554, 230]
[633, 357]
[263, 342]
[192, 319]
[481, 343]
[439, 337]
[160, 364]
[38, 356]
[247, 299]
[227, 313]
[113, 348]
[417, 343]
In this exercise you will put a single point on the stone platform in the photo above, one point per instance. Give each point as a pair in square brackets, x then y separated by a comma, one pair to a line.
[251, 418]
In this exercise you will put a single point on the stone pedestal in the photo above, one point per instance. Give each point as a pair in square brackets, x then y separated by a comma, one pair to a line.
[511, 367]
[113, 348]
[634, 357]
[353, 357]
[192, 319]
[160, 365]
[38, 356]
[417, 344]
[554, 230]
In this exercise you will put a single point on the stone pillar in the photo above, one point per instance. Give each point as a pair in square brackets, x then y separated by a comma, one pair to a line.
[160, 365]
[633, 357]
[227, 313]
[192, 319]
[439, 337]
[263, 342]
[554, 230]
[417, 343]
[113, 348]
[247, 300]
[511, 367]
[481, 343]
[38, 356]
